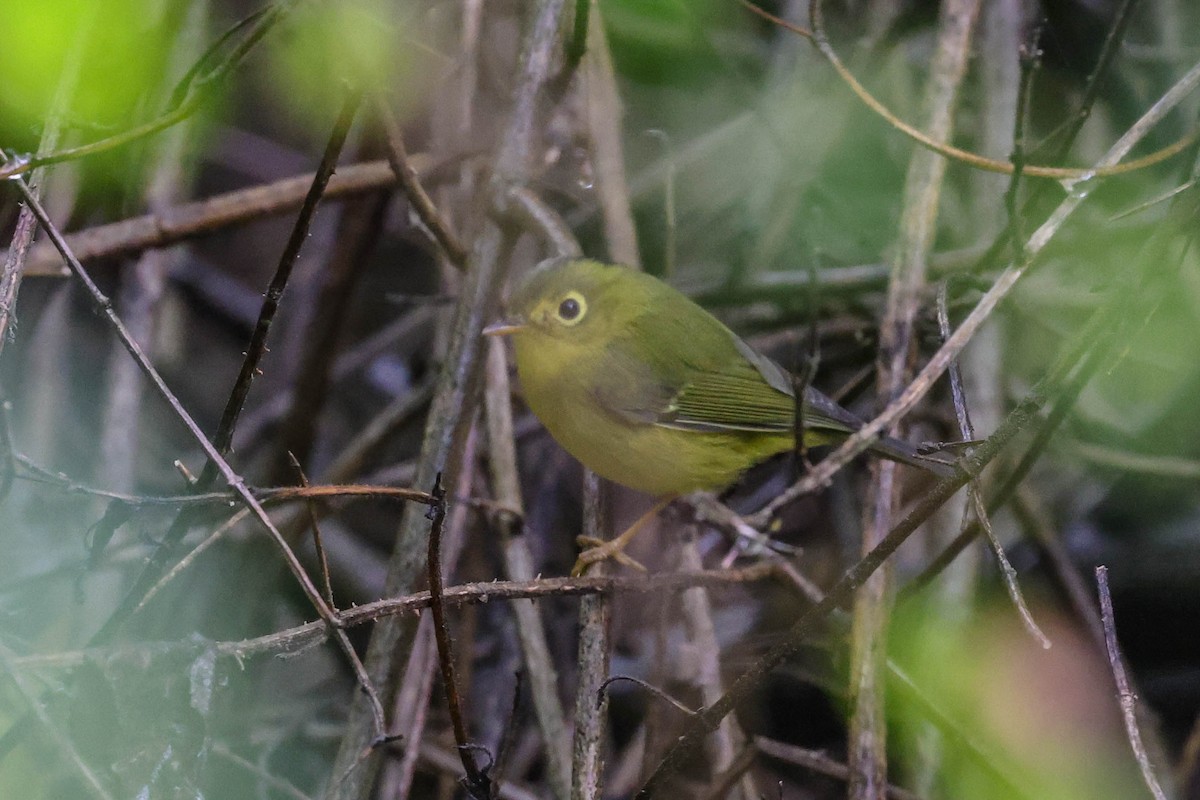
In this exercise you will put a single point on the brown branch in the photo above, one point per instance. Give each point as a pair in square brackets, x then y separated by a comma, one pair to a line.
[1125, 694]
[310, 634]
[190, 220]
[411, 707]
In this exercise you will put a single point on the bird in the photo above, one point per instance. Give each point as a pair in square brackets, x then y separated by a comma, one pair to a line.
[648, 389]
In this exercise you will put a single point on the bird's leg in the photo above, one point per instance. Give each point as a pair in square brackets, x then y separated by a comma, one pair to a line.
[614, 548]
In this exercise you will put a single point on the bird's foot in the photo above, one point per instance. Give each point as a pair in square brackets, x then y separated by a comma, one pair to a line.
[600, 550]
[615, 548]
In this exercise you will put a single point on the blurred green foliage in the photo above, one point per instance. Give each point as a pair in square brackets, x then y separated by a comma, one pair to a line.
[323, 48]
[1040, 720]
[118, 43]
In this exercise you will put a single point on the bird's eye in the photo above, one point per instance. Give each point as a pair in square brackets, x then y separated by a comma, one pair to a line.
[571, 309]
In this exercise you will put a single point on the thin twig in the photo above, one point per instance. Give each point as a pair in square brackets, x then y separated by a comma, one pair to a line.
[315, 523]
[1126, 462]
[595, 617]
[418, 198]
[257, 347]
[504, 751]
[738, 770]
[1036, 524]
[180, 566]
[1095, 80]
[442, 760]
[1126, 696]
[477, 783]
[818, 762]
[412, 707]
[266, 496]
[967, 430]
[649, 687]
[310, 634]
[530, 211]
[265, 778]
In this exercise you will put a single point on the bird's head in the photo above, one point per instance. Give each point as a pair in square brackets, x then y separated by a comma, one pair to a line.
[572, 302]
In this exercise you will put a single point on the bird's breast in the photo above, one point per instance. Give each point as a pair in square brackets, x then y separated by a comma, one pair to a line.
[562, 392]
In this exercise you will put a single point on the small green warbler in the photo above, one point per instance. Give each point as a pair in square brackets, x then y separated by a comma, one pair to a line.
[649, 390]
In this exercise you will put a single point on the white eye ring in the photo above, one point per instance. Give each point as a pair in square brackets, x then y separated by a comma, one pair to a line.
[572, 309]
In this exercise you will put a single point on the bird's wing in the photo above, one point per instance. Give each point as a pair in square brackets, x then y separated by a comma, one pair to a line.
[719, 383]
[729, 393]
[736, 397]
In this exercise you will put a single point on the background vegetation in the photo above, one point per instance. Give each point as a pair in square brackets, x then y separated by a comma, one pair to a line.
[157, 641]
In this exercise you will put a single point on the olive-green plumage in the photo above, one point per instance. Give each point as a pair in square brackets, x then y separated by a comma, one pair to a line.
[648, 389]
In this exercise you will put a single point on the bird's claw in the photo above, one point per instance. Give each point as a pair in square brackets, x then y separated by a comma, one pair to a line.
[600, 550]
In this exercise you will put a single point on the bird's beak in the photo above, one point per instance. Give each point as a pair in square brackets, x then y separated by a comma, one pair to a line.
[504, 327]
